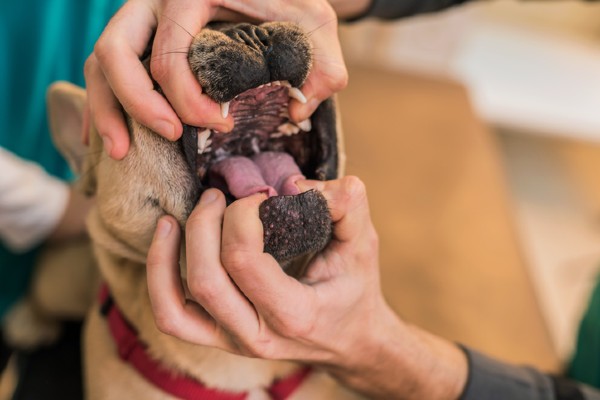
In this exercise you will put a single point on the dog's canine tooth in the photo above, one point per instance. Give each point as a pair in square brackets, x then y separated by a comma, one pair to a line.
[276, 83]
[305, 125]
[297, 94]
[286, 84]
[203, 140]
[225, 109]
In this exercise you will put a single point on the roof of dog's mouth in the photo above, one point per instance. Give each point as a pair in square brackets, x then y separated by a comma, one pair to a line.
[265, 152]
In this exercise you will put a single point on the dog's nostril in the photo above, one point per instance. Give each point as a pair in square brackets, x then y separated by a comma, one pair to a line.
[252, 36]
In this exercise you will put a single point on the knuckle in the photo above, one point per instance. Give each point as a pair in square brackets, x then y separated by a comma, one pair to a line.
[370, 244]
[298, 328]
[260, 348]
[340, 80]
[354, 187]
[90, 65]
[234, 258]
[103, 48]
[203, 290]
[159, 69]
[166, 322]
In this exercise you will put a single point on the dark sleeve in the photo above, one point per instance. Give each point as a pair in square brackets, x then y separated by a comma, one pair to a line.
[391, 9]
[493, 380]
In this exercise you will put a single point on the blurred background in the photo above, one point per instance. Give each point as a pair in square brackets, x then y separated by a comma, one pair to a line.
[477, 132]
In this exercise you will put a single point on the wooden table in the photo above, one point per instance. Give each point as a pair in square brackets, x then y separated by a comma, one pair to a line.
[450, 257]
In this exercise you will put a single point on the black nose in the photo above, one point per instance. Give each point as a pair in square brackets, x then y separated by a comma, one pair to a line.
[252, 36]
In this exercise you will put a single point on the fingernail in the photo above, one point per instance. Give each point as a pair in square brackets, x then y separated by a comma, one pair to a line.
[303, 112]
[164, 128]
[163, 228]
[208, 196]
[108, 144]
[220, 128]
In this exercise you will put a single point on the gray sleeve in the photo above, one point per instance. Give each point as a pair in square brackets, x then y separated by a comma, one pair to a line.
[391, 9]
[493, 380]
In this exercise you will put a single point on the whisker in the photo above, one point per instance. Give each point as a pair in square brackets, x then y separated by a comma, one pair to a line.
[178, 24]
[309, 33]
[169, 52]
[90, 170]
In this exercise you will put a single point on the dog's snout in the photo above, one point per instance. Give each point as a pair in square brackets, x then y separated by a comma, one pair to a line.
[253, 36]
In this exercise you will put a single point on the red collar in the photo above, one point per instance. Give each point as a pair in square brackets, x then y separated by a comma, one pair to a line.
[133, 351]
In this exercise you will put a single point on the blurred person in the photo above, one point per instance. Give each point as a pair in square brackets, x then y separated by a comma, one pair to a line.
[41, 41]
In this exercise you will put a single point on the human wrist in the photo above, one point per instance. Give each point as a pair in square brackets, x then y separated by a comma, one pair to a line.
[395, 360]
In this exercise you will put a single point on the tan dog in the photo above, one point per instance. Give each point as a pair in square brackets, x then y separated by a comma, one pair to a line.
[236, 65]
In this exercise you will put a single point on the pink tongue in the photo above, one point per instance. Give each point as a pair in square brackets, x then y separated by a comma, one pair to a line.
[272, 173]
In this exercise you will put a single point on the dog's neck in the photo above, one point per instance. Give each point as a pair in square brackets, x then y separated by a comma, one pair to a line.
[124, 271]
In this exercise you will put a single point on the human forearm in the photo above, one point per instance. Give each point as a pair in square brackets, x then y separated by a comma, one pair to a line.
[400, 361]
[31, 202]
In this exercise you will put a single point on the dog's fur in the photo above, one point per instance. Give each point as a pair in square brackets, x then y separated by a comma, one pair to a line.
[154, 179]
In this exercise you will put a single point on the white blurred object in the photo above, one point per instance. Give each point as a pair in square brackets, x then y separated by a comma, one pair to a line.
[534, 66]
[534, 81]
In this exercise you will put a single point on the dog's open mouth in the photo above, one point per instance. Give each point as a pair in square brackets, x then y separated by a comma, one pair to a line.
[265, 152]
[255, 156]
[254, 72]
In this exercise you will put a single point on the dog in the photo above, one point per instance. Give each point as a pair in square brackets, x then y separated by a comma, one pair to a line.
[253, 71]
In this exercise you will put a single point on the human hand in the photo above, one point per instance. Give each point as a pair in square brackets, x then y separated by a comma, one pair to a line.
[237, 298]
[318, 19]
[267, 313]
[115, 77]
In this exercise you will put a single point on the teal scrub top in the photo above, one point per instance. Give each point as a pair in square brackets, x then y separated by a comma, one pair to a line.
[41, 41]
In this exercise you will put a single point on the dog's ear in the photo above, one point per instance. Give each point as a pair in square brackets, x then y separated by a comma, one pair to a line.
[66, 103]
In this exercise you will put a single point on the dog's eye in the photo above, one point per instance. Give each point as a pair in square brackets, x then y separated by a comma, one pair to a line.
[152, 201]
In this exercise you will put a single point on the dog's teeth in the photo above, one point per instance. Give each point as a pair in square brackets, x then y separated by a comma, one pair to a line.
[305, 125]
[286, 84]
[203, 140]
[297, 94]
[288, 129]
[225, 109]
[277, 83]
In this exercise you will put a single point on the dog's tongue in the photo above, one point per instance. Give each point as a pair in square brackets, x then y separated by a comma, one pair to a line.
[272, 173]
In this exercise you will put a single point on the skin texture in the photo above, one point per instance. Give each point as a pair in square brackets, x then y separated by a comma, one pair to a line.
[246, 299]
[115, 77]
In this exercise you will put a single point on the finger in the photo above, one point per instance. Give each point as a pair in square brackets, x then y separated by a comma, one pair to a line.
[208, 282]
[348, 204]
[319, 21]
[178, 23]
[256, 273]
[171, 312]
[328, 74]
[105, 112]
[118, 50]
